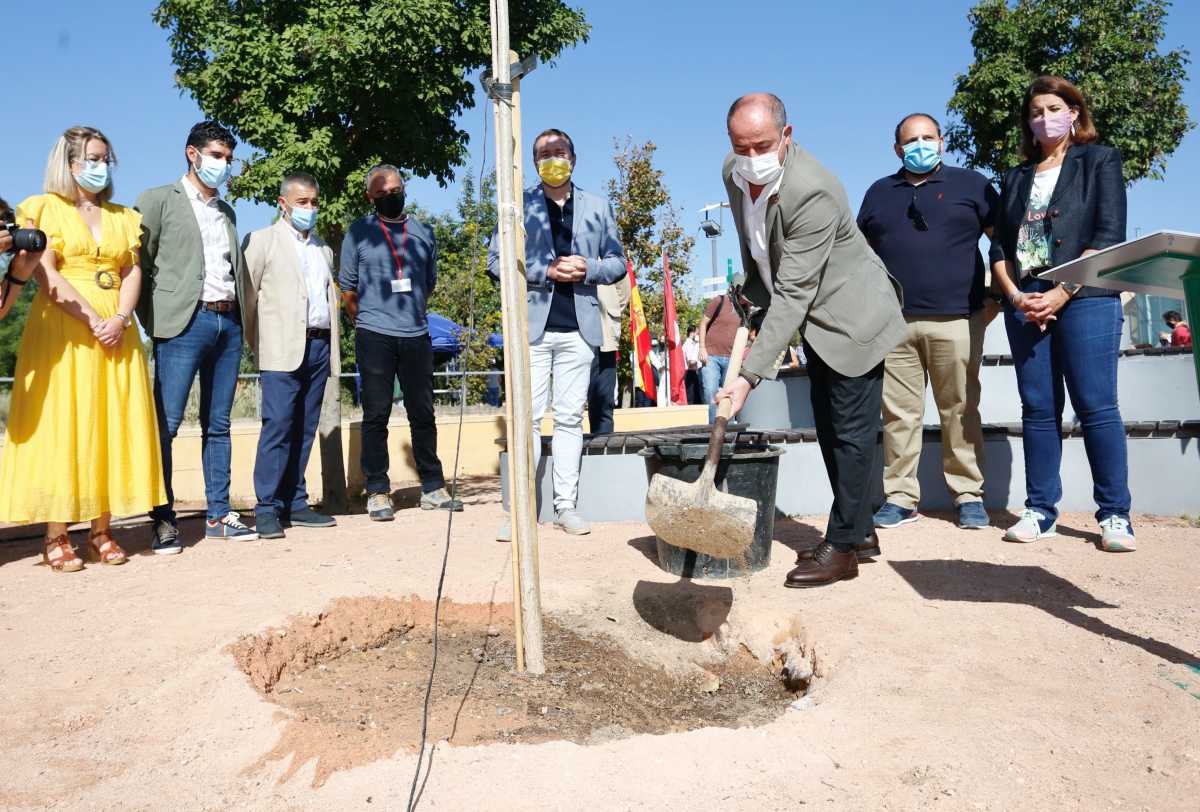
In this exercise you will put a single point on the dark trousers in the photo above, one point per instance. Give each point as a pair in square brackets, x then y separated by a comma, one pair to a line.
[380, 360]
[602, 392]
[693, 387]
[847, 411]
[291, 410]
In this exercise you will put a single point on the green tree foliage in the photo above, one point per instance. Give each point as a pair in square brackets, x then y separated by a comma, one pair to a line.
[648, 225]
[334, 86]
[1108, 48]
[12, 326]
[465, 294]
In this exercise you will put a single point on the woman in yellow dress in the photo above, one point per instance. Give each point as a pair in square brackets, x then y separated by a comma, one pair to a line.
[82, 438]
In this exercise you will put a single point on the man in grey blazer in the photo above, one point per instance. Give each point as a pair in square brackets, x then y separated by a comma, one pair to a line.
[195, 278]
[571, 246]
[807, 262]
[289, 320]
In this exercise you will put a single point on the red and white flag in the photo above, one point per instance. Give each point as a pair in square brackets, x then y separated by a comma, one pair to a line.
[675, 362]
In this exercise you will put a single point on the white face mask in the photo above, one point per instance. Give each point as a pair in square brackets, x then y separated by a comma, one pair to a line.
[760, 169]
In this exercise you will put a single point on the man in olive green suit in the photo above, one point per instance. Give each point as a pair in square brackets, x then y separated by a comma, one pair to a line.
[809, 265]
[195, 278]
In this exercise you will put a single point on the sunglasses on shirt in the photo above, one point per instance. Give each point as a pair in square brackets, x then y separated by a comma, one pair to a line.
[914, 214]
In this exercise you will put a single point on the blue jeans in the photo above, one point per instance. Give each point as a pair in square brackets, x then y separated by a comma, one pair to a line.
[1080, 349]
[712, 375]
[291, 410]
[211, 344]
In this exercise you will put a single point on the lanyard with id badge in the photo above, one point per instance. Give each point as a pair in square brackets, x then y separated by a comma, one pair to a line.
[400, 284]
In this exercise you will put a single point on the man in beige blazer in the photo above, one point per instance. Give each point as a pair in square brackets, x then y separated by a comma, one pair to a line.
[288, 319]
[807, 262]
[602, 390]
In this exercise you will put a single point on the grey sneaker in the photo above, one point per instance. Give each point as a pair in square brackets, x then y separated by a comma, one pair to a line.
[229, 527]
[166, 539]
[379, 507]
[440, 500]
[571, 522]
[1116, 535]
[1032, 526]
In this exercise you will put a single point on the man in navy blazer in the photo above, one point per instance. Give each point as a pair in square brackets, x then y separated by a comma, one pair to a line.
[571, 246]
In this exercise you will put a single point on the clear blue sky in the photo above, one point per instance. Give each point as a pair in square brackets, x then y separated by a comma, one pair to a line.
[663, 71]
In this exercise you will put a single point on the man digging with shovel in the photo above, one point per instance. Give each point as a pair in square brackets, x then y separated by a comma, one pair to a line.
[807, 263]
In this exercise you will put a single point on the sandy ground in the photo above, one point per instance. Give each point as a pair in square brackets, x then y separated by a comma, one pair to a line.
[959, 672]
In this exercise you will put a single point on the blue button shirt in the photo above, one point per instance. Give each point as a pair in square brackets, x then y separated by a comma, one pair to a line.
[368, 268]
[928, 237]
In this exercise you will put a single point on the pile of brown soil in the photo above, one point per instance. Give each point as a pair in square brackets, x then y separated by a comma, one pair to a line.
[352, 683]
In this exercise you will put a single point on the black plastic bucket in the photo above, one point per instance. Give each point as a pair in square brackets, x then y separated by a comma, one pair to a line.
[745, 470]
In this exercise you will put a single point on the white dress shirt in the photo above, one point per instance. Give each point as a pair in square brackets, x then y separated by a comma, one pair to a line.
[317, 277]
[754, 214]
[691, 352]
[219, 285]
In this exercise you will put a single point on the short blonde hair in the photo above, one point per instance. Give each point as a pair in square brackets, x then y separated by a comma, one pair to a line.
[70, 147]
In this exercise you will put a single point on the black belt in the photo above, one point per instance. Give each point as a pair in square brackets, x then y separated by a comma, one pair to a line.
[228, 306]
[318, 332]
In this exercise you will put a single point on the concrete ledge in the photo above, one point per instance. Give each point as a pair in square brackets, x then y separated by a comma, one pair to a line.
[1152, 385]
[1164, 467]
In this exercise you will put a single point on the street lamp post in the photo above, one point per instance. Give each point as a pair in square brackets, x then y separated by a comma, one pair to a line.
[713, 229]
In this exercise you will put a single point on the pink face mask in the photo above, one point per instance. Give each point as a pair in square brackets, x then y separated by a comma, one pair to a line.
[1051, 127]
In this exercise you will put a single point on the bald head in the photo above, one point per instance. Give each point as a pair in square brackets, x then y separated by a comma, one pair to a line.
[757, 125]
[757, 109]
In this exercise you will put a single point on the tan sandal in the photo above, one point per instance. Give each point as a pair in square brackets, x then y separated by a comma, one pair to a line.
[103, 549]
[59, 555]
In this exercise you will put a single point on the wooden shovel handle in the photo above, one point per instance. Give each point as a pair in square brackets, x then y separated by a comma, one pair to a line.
[717, 439]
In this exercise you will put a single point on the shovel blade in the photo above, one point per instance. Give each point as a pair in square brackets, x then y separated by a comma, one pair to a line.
[694, 517]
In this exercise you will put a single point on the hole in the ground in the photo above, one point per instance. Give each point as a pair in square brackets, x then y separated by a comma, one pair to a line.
[351, 682]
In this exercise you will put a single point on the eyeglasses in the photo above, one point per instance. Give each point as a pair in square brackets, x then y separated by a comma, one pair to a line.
[914, 214]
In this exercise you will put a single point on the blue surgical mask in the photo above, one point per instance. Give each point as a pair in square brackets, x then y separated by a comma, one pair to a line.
[5, 260]
[303, 219]
[213, 172]
[94, 177]
[921, 156]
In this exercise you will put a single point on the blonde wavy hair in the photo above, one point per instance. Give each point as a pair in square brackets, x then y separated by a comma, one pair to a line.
[70, 147]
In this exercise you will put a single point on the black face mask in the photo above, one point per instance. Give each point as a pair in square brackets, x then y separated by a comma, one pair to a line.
[390, 205]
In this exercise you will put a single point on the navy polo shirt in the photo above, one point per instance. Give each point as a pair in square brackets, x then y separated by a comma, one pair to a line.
[928, 237]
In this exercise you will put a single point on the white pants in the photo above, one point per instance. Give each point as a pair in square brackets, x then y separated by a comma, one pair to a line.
[566, 358]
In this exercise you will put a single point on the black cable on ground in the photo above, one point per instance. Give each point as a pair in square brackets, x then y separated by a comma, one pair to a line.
[469, 331]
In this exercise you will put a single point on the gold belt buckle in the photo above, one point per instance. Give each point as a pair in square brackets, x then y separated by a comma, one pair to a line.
[106, 280]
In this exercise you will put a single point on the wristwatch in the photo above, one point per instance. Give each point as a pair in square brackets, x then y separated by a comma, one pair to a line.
[751, 378]
[1071, 287]
[127, 319]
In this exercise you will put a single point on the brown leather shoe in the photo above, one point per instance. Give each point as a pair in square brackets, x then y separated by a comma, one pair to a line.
[866, 550]
[825, 567]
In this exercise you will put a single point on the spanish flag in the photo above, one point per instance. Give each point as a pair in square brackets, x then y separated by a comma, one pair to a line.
[639, 339]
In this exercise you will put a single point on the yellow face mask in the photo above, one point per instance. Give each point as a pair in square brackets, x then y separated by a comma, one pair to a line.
[554, 171]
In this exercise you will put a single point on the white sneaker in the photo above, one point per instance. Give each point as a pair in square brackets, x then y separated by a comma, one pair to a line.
[571, 522]
[1029, 528]
[1116, 535]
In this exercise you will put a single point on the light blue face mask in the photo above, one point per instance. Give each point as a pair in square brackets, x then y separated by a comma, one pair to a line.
[921, 156]
[5, 260]
[94, 177]
[303, 219]
[213, 172]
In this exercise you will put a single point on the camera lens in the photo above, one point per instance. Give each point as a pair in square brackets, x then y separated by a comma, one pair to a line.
[29, 239]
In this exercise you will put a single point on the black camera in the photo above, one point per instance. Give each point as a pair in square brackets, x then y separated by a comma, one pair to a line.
[25, 239]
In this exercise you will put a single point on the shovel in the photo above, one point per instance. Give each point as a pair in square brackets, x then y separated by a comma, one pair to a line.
[695, 515]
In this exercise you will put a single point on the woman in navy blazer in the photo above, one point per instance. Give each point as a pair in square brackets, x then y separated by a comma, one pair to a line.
[1066, 201]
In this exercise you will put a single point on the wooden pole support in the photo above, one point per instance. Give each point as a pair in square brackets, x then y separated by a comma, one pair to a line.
[510, 215]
